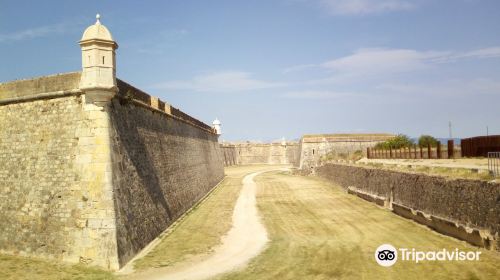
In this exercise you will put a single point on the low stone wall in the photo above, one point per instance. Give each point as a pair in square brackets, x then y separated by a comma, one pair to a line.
[465, 209]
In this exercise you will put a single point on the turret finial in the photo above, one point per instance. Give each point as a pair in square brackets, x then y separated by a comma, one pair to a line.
[98, 16]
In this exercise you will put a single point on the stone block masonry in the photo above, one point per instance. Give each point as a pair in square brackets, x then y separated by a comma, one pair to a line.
[309, 152]
[54, 200]
[314, 148]
[258, 153]
[462, 208]
[94, 184]
[230, 155]
[161, 167]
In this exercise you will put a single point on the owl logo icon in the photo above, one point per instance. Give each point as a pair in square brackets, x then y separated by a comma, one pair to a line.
[386, 255]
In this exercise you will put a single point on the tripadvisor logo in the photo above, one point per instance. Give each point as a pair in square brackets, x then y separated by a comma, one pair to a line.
[387, 255]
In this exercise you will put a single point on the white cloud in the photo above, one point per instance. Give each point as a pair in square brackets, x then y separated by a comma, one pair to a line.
[228, 81]
[376, 62]
[37, 32]
[376, 72]
[363, 7]
[368, 61]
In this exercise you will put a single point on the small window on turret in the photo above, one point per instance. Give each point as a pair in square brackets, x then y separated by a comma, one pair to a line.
[89, 59]
[103, 60]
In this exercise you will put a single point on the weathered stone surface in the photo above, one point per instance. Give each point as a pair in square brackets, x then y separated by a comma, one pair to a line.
[255, 153]
[53, 83]
[52, 200]
[313, 148]
[161, 167]
[229, 155]
[127, 92]
[94, 183]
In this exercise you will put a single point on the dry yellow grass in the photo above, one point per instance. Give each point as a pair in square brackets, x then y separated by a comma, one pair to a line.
[201, 229]
[317, 231]
[447, 172]
[21, 268]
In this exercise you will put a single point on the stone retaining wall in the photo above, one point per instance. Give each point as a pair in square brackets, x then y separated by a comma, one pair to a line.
[465, 209]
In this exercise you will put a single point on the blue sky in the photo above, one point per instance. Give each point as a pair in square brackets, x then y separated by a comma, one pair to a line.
[282, 68]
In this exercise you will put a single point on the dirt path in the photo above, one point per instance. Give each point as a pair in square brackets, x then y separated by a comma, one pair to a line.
[245, 240]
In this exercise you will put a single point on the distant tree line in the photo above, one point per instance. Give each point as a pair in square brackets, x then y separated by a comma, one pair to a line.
[403, 141]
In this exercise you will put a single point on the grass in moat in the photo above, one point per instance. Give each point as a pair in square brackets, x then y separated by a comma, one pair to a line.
[202, 228]
[22, 268]
[317, 231]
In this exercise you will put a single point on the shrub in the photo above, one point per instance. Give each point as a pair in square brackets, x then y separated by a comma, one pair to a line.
[400, 141]
[425, 140]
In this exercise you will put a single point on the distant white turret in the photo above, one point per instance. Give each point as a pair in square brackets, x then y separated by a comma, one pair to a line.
[216, 125]
[283, 141]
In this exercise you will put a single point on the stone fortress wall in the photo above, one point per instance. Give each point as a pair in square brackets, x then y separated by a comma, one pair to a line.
[78, 189]
[259, 153]
[308, 152]
[92, 168]
[162, 165]
[229, 154]
[51, 206]
[313, 148]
